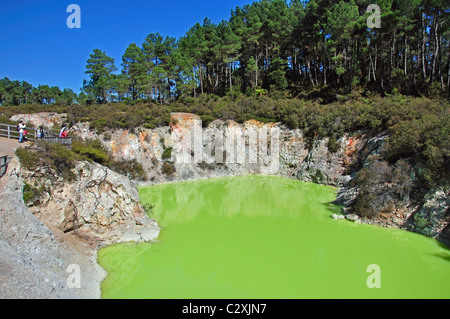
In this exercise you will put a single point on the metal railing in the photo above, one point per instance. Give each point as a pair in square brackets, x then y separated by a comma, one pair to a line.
[3, 165]
[11, 132]
[66, 141]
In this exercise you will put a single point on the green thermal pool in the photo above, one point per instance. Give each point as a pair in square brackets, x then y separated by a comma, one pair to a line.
[256, 237]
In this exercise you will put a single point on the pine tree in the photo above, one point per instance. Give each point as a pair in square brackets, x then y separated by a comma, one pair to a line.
[100, 67]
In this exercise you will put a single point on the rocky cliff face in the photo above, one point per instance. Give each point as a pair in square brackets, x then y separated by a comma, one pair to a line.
[99, 206]
[286, 152]
[64, 227]
[432, 219]
[34, 259]
[172, 154]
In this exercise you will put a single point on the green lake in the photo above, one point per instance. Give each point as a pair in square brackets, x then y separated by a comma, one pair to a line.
[259, 237]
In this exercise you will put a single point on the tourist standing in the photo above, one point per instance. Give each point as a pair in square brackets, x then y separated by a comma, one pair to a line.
[63, 132]
[21, 127]
[41, 133]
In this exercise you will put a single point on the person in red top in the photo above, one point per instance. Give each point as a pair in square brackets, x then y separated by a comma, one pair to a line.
[63, 132]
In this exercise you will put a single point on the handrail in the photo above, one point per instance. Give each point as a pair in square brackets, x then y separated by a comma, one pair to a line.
[3, 165]
[10, 132]
[67, 141]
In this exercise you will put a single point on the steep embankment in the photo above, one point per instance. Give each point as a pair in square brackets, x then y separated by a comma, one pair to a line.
[33, 258]
[55, 236]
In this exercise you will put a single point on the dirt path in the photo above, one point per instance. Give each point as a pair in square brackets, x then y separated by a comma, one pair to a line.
[9, 146]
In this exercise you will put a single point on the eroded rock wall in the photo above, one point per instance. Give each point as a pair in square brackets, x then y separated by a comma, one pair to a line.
[99, 205]
[294, 155]
[42, 240]
[34, 259]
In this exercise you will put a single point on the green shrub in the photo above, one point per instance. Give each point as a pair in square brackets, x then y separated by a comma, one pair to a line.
[99, 125]
[167, 154]
[168, 169]
[30, 193]
[63, 160]
[333, 145]
[427, 141]
[206, 120]
[55, 156]
[29, 159]
[148, 208]
[382, 187]
[318, 177]
[132, 169]
[60, 158]
[91, 150]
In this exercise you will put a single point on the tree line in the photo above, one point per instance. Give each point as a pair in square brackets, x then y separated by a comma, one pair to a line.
[21, 92]
[285, 46]
[291, 46]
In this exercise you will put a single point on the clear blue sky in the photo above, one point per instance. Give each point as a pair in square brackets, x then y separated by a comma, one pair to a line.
[38, 47]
